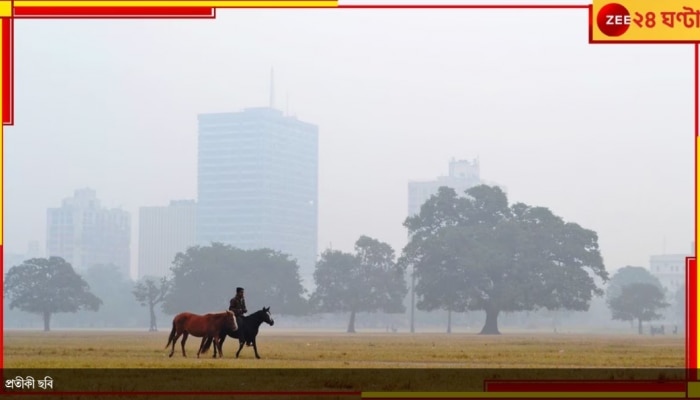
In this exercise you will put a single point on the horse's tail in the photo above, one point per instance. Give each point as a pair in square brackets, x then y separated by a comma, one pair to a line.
[207, 345]
[172, 335]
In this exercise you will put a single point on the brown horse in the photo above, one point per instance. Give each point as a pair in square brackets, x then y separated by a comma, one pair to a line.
[204, 326]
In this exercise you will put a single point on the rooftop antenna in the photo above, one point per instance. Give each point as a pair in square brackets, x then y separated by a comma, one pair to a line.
[272, 88]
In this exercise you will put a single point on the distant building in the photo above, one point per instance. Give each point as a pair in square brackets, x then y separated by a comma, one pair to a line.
[85, 234]
[670, 270]
[164, 232]
[34, 249]
[463, 174]
[10, 260]
[258, 183]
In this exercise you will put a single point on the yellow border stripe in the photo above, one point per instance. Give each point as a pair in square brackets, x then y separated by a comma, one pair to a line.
[524, 395]
[151, 3]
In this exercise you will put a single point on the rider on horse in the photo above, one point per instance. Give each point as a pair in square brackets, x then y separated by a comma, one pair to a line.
[237, 305]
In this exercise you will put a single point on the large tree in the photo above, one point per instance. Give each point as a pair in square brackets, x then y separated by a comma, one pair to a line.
[47, 286]
[150, 292]
[627, 276]
[477, 252]
[205, 279]
[367, 281]
[638, 301]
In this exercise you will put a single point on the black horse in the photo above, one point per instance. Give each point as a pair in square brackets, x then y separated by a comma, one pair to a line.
[248, 327]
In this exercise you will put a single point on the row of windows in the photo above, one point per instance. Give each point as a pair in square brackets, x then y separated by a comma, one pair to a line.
[666, 268]
[258, 139]
[215, 186]
[262, 206]
[240, 120]
[250, 157]
[263, 230]
[285, 139]
[268, 133]
[243, 158]
[257, 222]
[260, 174]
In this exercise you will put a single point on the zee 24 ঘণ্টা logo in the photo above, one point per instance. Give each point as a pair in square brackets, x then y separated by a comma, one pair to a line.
[614, 19]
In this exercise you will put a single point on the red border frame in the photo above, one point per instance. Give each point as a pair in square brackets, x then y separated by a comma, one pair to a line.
[114, 12]
[210, 12]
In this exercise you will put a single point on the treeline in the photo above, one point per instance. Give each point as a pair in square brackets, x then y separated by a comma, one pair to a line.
[471, 252]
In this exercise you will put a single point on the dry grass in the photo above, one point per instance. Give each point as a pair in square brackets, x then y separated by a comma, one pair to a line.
[333, 362]
[335, 350]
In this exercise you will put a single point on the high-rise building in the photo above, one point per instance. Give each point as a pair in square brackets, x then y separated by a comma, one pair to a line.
[86, 234]
[258, 183]
[164, 232]
[463, 174]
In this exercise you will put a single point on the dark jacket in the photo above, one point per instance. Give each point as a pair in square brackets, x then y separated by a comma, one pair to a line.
[237, 305]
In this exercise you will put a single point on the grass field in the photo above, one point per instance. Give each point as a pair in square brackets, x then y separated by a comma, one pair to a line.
[63, 349]
[334, 362]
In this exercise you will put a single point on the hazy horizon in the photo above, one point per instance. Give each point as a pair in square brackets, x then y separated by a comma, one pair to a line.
[600, 134]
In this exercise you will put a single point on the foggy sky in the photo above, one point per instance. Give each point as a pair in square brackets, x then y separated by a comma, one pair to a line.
[600, 134]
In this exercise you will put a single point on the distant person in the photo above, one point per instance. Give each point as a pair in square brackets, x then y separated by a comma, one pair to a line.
[237, 306]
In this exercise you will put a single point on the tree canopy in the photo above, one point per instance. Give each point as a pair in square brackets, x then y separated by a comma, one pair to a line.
[149, 292]
[47, 286]
[367, 281]
[477, 252]
[628, 275]
[640, 301]
[205, 279]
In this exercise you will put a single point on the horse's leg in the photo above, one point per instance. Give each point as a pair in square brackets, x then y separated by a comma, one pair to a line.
[220, 341]
[184, 339]
[221, 344]
[241, 343]
[255, 348]
[177, 336]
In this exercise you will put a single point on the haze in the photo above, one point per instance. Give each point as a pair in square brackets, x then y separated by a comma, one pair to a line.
[600, 134]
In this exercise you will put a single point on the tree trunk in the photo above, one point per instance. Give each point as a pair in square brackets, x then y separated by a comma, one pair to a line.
[351, 324]
[491, 325]
[449, 321]
[153, 327]
[639, 326]
[413, 300]
[47, 321]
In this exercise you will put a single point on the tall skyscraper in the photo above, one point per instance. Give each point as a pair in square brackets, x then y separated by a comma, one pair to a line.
[258, 183]
[164, 232]
[85, 234]
[463, 174]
